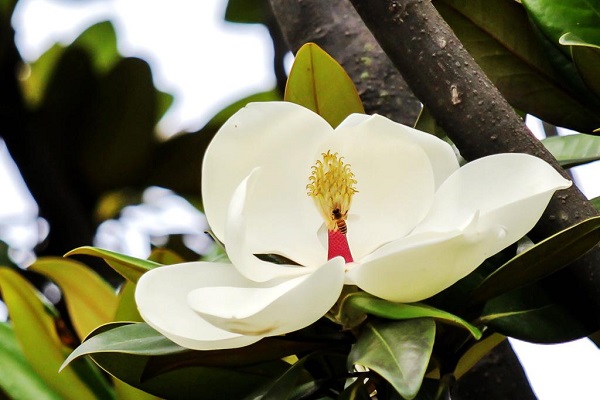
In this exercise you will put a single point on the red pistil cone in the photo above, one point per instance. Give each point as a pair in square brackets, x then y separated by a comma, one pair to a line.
[338, 246]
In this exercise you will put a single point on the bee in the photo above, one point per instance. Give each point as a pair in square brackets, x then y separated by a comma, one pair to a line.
[340, 220]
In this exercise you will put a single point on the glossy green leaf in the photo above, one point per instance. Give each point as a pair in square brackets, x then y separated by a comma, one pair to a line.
[399, 351]
[573, 150]
[130, 268]
[362, 302]
[586, 57]
[125, 338]
[18, 379]
[508, 50]
[141, 339]
[535, 315]
[320, 84]
[541, 260]
[127, 311]
[141, 357]
[476, 352]
[555, 18]
[36, 332]
[90, 300]
[283, 387]
[193, 383]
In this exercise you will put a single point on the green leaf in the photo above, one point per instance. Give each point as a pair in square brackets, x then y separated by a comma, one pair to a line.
[535, 315]
[193, 383]
[541, 260]
[506, 47]
[283, 386]
[100, 40]
[165, 256]
[476, 352]
[141, 339]
[426, 123]
[18, 379]
[555, 18]
[130, 268]
[573, 150]
[399, 351]
[119, 133]
[127, 311]
[141, 357]
[36, 332]
[34, 86]
[320, 84]
[586, 57]
[98, 44]
[248, 11]
[596, 202]
[366, 303]
[90, 300]
[121, 337]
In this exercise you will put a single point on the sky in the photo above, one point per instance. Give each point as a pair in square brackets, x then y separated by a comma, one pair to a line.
[206, 64]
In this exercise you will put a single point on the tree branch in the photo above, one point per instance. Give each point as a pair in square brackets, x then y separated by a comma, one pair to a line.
[337, 28]
[472, 111]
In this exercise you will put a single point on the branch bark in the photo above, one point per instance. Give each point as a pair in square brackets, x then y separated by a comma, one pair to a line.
[499, 375]
[336, 27]
[473, 112]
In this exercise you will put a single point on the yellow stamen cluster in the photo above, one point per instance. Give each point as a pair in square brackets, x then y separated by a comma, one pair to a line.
[331, 184]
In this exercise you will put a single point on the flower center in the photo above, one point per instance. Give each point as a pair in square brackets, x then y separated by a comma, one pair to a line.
[331, 185]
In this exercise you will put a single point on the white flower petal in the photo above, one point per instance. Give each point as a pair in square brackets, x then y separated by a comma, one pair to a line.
[252, 230]
[395, 181]
[441, 155]
[419, 266]
[161, 297]
[508, 191]
[283, 306]
[280, 134]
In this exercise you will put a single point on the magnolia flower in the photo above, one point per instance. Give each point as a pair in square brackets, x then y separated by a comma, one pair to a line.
[371, 203]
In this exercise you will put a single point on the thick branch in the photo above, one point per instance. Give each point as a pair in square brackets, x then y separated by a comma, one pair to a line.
[470, 109]
[497, 376]
[337, 28]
